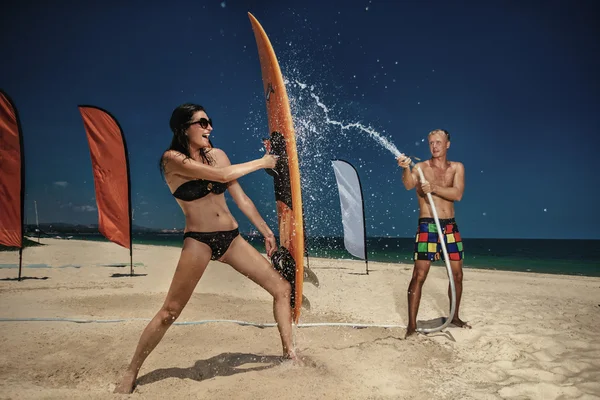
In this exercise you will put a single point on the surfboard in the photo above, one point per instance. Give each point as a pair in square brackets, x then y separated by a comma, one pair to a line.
[289, 258]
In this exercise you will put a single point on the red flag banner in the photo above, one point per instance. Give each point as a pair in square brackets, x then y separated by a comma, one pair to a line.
[11, 175]
[110, 165]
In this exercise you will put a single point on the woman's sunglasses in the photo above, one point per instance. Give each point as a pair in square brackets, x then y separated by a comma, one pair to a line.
[203, 122]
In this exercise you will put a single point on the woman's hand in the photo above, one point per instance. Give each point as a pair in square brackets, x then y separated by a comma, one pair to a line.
[269, 161]
[270, 245]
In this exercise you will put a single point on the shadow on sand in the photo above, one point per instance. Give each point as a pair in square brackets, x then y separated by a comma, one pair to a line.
[225, 364]
[117, 275]
[43, 278]
[361, 273]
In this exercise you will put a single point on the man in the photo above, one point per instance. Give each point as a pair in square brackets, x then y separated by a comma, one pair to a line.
[445, 180]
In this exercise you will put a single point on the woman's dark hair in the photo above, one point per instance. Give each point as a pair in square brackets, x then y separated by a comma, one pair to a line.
[180, 121]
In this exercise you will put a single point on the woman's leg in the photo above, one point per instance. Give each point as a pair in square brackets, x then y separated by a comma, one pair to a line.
[248, 261]
[192, 264]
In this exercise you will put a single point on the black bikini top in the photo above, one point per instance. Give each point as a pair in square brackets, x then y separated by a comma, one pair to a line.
[196, 189]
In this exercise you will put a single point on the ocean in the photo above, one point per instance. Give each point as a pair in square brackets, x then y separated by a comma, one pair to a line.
[550, 256]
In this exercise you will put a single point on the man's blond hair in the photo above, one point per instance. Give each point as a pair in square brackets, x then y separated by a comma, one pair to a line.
[445, 132]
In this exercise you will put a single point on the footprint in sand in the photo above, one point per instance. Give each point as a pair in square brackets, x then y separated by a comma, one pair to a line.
[536, 375]
[543, 356]
[493, 349]
[590, 387]
[546, 391]
[574, 368]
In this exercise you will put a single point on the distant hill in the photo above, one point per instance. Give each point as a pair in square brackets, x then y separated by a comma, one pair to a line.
[26, 243]
[65, 228]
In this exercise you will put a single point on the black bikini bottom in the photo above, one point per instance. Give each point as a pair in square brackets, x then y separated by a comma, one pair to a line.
[218, 242]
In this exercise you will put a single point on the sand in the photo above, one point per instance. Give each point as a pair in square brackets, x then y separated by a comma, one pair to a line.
[534, 336]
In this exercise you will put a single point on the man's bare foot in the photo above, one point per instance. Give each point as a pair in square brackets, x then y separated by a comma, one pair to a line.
[460, 323]
[127, 384]
[410, 332]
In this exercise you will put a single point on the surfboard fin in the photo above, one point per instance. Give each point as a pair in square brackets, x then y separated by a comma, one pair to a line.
[305, 303]
[310, 277]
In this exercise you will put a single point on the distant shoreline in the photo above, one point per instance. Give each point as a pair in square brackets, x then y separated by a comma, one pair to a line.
[538, 256]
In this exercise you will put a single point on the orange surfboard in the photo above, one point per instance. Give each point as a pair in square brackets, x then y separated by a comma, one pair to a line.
[289, 258]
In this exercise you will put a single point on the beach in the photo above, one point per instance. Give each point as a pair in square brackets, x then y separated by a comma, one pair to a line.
[534, 336]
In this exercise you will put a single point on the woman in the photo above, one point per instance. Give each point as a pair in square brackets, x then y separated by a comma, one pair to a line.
[198, 176]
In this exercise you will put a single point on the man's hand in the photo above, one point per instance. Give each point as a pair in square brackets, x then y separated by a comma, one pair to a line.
[270, 245]
[426, 187]
[404, 161]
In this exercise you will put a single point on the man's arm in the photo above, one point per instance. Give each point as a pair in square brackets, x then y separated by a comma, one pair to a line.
[409, 178]
[455, 192]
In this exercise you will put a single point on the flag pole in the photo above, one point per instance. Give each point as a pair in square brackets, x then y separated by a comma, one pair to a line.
[130, 216]
[37, 221]
[362, 198]
[305, 238]
[20, 261]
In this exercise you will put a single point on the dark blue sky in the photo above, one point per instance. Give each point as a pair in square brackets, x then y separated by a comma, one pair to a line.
[515, 82]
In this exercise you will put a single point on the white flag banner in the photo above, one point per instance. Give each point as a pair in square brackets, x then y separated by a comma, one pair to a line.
[351, 202]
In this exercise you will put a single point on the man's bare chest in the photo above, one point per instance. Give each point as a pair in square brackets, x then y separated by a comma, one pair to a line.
[440, 176]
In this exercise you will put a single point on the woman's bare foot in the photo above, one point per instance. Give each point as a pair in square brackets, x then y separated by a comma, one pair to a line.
[127, 383]
[460, 323]
[294, 358]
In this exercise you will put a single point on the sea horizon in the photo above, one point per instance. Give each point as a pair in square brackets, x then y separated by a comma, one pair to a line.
[141, 230]
[572, 257]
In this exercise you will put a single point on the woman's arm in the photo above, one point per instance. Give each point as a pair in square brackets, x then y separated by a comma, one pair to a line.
[178, 164]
